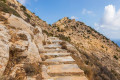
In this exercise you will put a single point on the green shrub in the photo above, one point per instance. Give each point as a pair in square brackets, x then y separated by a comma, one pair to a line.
[27, 15]
[102, 46]
[64, 38]
[48, 34]
[5, 8]
[115, 57]
[23, 7]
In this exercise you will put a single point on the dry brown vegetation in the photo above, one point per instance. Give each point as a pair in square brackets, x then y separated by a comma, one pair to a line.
[7, 9]
[35, 31]
[63, 44]
[88, 70]
[32, 69]
[23, 37]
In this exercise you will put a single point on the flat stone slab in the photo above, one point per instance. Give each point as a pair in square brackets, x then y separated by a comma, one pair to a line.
[55, 50]
[64, 69]
[53, 46]
[56, 41]
[53, 38]
[60, 59]
[56, 54]
[68, 78]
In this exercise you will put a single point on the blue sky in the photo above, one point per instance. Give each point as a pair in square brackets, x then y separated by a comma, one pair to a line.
[103, 15]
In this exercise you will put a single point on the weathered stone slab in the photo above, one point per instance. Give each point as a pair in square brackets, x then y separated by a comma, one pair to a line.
[52, 46]
[68, 78]
[64, 69]
[57, 54]
[56, 41]
[55, 50]
[60, 59]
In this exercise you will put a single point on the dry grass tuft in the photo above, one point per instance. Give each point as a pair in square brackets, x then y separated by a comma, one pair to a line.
[63, 44]
[23, 37]
[35, 31]
[32, 69]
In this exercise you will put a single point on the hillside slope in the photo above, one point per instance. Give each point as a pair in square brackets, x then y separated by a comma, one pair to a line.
[21, 11]
[98, 52]
[22, 36]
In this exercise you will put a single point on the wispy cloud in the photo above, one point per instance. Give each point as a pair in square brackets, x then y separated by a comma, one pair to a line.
[73, 17]
[85, 11]
[109, 25]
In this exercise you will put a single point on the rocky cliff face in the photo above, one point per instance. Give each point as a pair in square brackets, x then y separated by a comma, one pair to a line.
[25, 49]
[21, 45]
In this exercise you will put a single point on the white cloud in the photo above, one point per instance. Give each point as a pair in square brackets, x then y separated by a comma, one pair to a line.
[85, 11]
[110, 23]
[22, 1]
[73, 17]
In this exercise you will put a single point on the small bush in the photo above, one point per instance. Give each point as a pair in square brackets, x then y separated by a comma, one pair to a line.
[63, 44]
[22, 37]
[27, 15]
[44, 43]
[115, 57]
[49, 24]
[48, 34]
[23, 7]
[31, 69]
[64, 38]
[35, 31]
[102, 46]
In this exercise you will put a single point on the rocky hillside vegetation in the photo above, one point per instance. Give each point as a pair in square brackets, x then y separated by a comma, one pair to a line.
[74, 51]
[100, 54]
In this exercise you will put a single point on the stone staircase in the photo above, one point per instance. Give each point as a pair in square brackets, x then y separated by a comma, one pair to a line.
[58, 64]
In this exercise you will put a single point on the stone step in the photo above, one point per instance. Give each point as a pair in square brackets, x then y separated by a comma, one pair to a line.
[56, 41]
[52, 46]
[64, 70]
[53, 38]
[68, 78]
[57, 63]
[58, 50]
[60, 59]
[56, 54]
